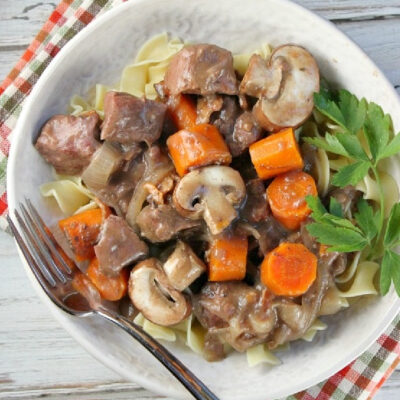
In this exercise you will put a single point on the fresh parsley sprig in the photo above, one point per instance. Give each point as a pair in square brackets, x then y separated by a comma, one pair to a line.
[364, 134]
[390, 268]
[342, 235]
[355, 118]
[331, 229]
[357, 121]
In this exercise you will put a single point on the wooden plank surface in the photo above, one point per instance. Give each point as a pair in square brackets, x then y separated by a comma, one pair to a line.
[37, 357]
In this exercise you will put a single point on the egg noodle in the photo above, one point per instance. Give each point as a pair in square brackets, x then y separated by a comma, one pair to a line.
[138, 79]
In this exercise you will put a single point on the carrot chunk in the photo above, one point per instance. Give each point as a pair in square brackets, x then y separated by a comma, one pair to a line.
[183, 111]
[287, 197]
[276, 154]
[228, 258]
[289, 270]
[82, 231]
[110, 288]
[196, 147]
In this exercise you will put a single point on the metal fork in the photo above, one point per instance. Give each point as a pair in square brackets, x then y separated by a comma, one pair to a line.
[38, 249]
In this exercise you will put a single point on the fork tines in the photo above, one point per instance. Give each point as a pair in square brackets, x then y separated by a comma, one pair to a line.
[38, 247]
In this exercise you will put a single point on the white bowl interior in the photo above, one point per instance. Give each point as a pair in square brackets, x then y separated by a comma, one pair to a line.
[98, 54]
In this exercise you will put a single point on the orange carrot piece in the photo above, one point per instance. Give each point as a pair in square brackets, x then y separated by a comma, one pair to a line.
[110, 288]
[183, 111]
[276, 154]
[287, 197]
[82, 231]
[196, 147]
[289, 270]
[228, 258]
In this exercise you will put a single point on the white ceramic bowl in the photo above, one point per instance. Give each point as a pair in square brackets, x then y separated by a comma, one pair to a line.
[98, 54]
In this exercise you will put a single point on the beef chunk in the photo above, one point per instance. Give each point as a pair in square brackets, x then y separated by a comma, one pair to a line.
[226, 118]
[68, 142]
[128, 119]
[239, 129]
[201, 69]
[271, 234]
[119, 246]
[162, 223]
[239, 314]
[245, 132]
[255, 209]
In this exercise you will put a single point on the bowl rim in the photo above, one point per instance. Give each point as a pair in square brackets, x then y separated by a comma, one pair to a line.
[66, 321]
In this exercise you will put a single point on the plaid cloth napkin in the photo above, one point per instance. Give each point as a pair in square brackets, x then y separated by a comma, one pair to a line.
[358, 381]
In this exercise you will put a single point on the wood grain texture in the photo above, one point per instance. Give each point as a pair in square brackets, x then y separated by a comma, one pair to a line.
[37, 357]
[353, 9]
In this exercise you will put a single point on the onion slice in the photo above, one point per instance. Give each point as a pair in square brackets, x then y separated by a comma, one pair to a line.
[154, 173]
[105, 161]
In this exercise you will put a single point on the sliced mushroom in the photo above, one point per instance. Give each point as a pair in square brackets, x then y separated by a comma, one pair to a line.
[212, 193]
[207, 105]
[259, 77]
[153, 295]
[285, 85]
[158, 192]
[183, 266]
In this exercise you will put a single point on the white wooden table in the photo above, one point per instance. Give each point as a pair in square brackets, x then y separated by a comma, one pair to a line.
[37, 357]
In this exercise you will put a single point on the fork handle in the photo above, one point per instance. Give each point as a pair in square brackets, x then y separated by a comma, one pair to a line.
[194, 385]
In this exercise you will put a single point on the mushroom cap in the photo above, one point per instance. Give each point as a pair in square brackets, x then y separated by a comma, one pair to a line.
[262, 78]
[210, 192]
[290, 78]
[152, 294]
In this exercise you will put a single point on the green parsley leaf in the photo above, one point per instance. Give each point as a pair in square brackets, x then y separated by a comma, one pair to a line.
[353, 111]
[328, 107]
[385, 276]
[316, 206]
[341, 222]
[333, 230]
[341, 239]
[351, 174]
[390, 270]
[392, 148]
[321, 215]
[396, 271]
[352, 146]
[366, 220]
[329, 143]
[335, 207]
[377, 130]
[392, 233]
[348, 112]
